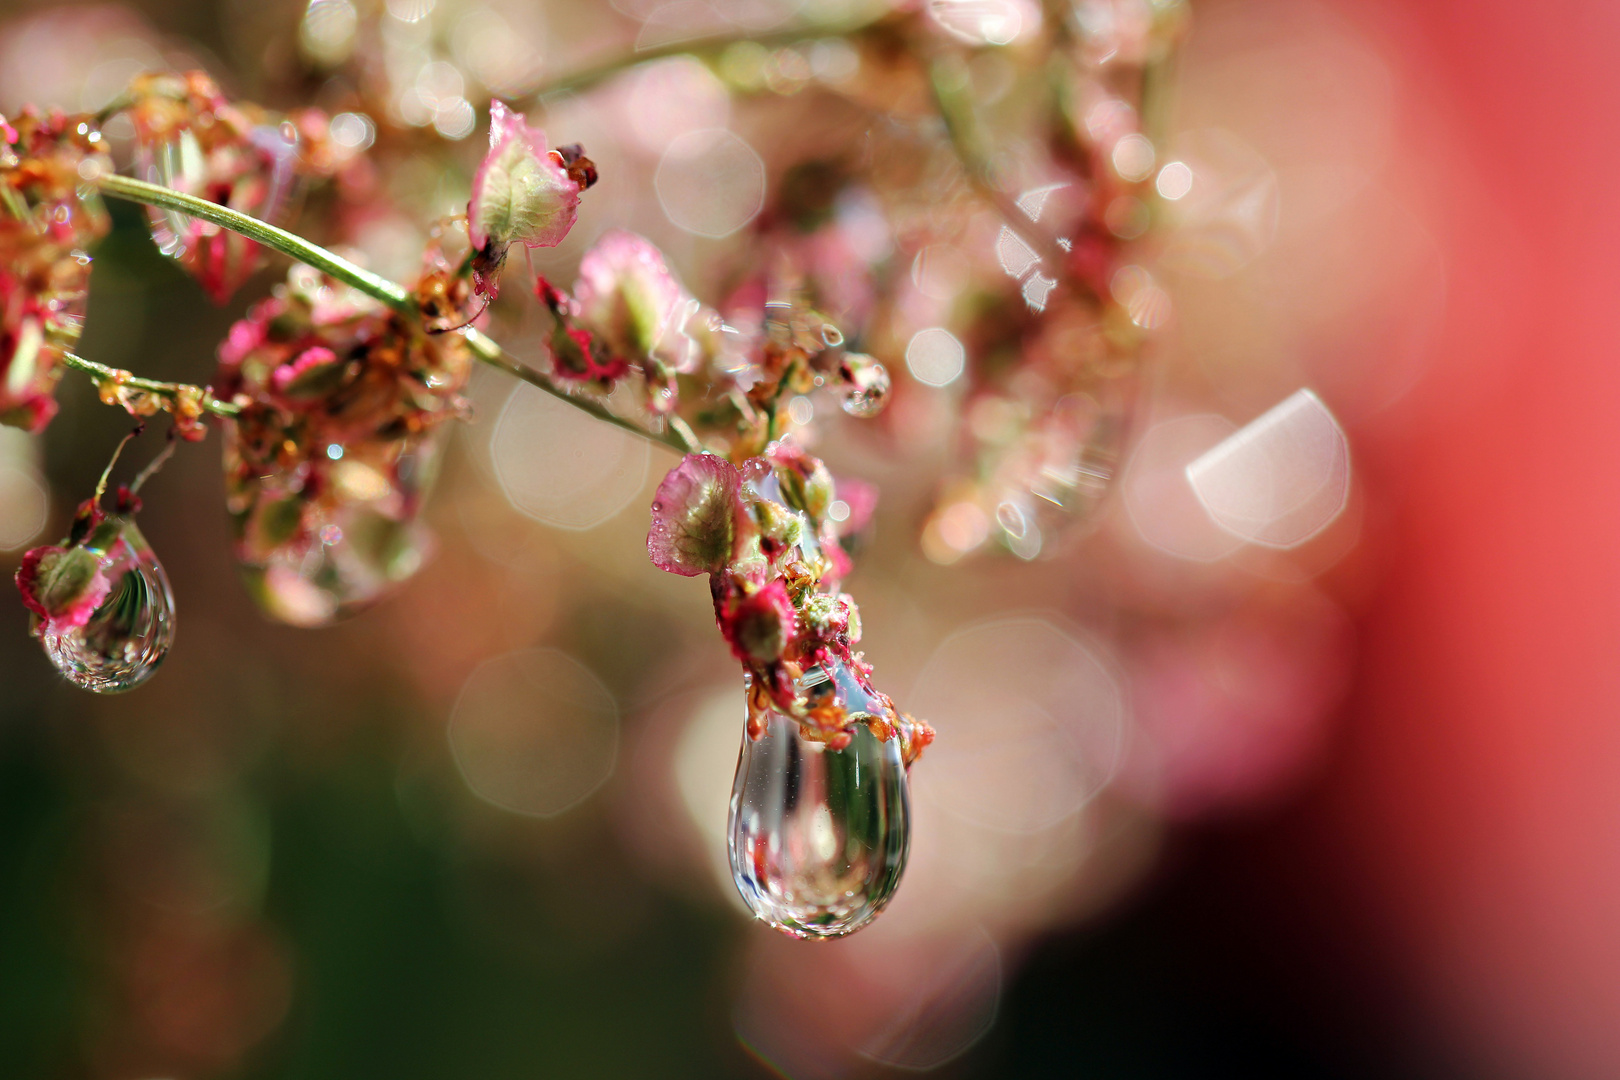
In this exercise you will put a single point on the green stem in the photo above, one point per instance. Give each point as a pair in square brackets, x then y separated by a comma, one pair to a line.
[106, 474]
[586, 77]
[373, 285]
[170, 390]
[678, 437]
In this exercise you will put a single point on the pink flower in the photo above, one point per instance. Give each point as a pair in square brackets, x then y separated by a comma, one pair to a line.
[806, 483]
[757, 625]
[44, 272]
[310, 375]
[63, 586]
[628, 298]
[576, 355]
[522, 193]
[27, 375]
[696, 515]
[860, 501]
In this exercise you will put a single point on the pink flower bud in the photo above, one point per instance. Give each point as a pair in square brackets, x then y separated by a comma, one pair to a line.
[522, 193]
[628, 297]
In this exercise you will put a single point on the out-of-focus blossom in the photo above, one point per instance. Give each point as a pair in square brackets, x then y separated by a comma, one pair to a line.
[45, 225]
[329, 462]
[631, 300]
[191, 138]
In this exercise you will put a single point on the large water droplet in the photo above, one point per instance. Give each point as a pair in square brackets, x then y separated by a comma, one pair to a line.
[126, 638]
[818, 837]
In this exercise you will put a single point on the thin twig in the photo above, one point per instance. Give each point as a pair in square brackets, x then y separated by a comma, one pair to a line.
[678, 438]
[173, 391]
[106, 474]
[586, 77]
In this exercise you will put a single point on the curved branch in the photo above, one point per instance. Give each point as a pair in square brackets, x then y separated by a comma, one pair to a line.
[173, 393]
[678, 436]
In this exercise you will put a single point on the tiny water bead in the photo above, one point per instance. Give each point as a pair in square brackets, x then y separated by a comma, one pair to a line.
[818, 837]
[865, 386]
[130, 631]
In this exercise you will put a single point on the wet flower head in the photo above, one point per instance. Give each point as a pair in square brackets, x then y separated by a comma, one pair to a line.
[762, 534]
[630, 300]
[48, 219]
[100, 600]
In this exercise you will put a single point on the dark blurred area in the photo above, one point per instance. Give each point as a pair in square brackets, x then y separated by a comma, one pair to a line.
[1364, 823]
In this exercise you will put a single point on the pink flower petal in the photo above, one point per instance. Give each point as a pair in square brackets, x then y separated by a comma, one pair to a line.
[311, 374]
[628, 296]
[694, 516]
[760, 625]
[63, 586]
[861, 498]
[521, 193]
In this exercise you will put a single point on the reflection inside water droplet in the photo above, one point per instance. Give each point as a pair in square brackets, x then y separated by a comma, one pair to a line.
[818, 837]
[127, 636]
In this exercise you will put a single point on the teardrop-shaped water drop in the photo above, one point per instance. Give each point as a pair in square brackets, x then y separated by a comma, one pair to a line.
[128, 635]
[818, 837]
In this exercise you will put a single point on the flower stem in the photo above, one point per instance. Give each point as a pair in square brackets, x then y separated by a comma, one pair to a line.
[678, 437]
[373, 285]
[588, 76]
[171, 392]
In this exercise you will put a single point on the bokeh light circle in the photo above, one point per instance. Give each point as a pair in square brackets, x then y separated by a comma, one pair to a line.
[24, 506]
[560, 466]
[710, 182]
[1280, 479]
[534, 732]
[1158, 497]
[935, 356]
[1031, 723]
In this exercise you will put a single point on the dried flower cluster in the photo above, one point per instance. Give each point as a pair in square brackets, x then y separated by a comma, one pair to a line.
[49, 218]
[336, 446]
[191, 138]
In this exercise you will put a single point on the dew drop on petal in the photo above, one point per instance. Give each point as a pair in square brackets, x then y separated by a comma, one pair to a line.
[818, 837]
[867, 391]
[128, 635]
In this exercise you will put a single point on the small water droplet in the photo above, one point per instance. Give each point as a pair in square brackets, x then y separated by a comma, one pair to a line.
[127, 636]
[818, 837]
[865, 387]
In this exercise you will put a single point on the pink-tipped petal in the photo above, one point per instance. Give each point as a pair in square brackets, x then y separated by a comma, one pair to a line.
[63, 586]
[758, 625]
[694, 516]
[521, 193]
[629, 297]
